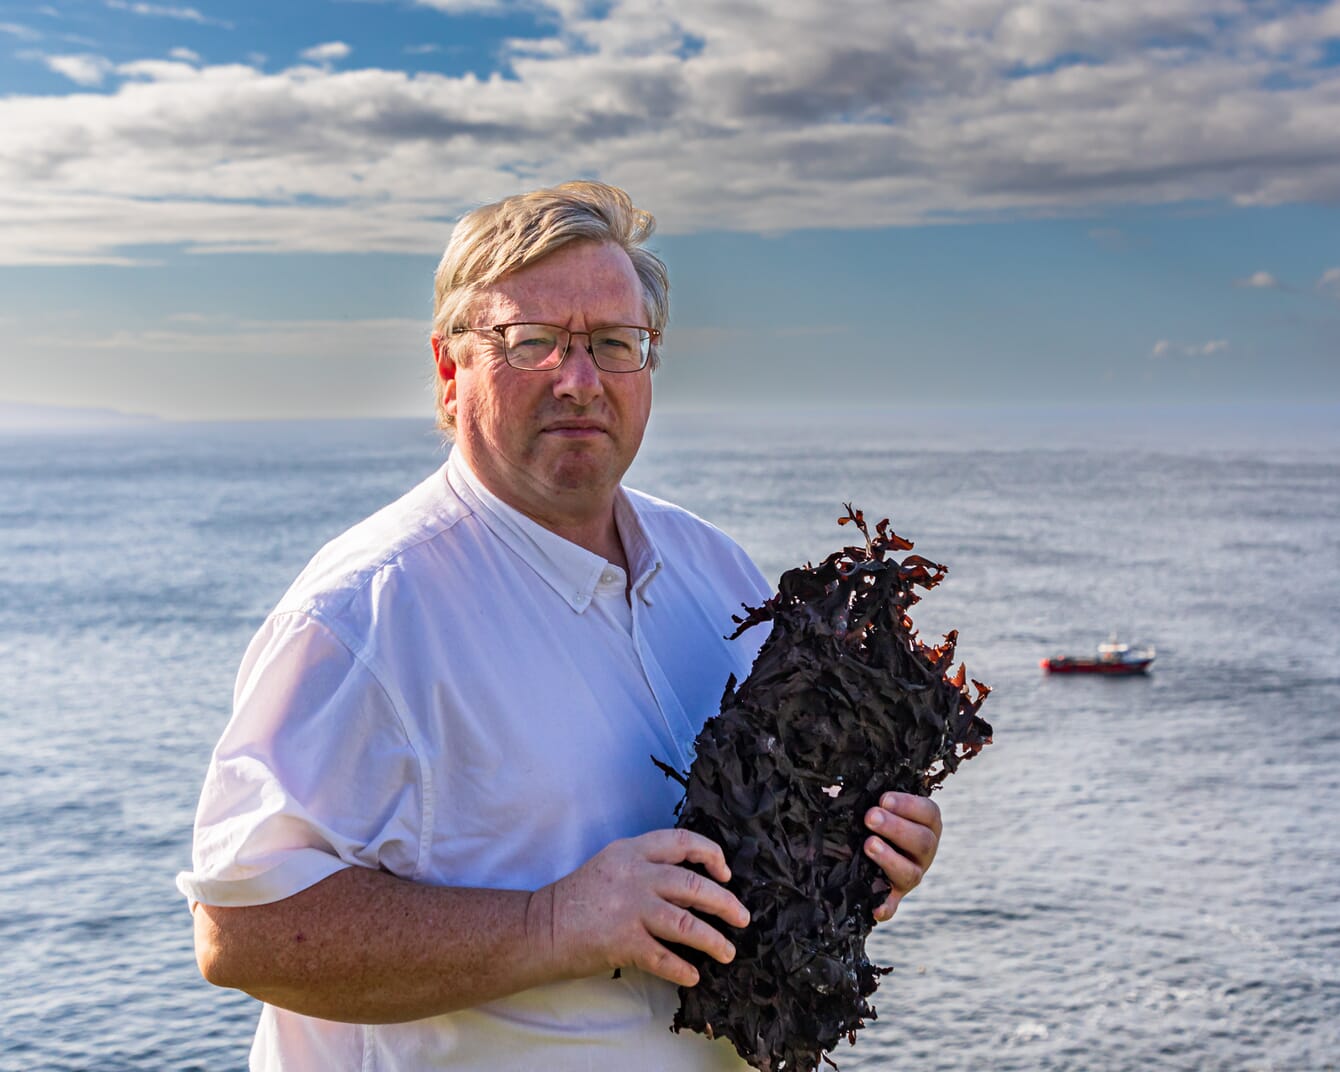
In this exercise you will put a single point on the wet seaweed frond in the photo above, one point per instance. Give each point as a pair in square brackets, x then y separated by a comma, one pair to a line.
[844, 702]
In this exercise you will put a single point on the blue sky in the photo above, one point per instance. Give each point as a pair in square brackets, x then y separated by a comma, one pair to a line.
[229, 210]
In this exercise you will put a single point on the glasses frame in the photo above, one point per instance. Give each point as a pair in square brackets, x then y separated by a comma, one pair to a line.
[501, 331]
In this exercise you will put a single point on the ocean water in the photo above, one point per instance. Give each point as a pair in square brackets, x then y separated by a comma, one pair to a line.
[1138, 874]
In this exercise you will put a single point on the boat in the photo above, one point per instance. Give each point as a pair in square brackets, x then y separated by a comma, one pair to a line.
[1113, 657]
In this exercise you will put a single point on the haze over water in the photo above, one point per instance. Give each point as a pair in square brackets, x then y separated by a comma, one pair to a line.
[1136, 875]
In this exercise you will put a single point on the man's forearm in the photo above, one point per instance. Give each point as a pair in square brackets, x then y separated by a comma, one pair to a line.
[365, 947]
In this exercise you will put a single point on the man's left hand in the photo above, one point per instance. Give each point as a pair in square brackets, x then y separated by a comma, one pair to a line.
[907, 835]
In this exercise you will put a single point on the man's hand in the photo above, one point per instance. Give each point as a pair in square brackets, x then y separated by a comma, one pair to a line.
[908, 835]
[617, 909]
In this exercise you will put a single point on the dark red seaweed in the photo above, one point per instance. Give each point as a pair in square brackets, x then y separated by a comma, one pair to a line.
[843, 703]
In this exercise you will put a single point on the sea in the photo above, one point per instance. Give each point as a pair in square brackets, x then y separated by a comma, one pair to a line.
[1138, 874]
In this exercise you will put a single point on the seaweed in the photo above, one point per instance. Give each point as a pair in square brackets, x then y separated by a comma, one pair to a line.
[843, 704]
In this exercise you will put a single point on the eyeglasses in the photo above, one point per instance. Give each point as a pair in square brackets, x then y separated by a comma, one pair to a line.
[543, 347]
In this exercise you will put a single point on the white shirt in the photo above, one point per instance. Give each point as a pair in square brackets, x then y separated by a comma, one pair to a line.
[456, 695]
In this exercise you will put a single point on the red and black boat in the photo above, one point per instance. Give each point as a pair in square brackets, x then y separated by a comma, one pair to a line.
[1113, 657]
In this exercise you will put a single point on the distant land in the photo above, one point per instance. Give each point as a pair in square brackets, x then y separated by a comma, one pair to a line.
[26, 415]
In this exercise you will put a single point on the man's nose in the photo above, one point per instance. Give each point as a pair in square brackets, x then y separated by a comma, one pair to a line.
[578, 378]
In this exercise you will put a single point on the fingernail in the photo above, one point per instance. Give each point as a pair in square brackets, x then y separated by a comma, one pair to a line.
[730, 953]
[875, 847]
[875, 819]
[888, 800]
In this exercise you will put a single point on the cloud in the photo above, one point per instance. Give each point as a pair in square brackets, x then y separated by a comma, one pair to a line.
[1306, 29]
[1329, 283]
[327, 53]
[166, 11]
[1259, 281]
[185, 55]
[422, 50]
[23, 33]
[463, 7]
[1165, 348]
[196, 333]
[749, 116]
[85, 70]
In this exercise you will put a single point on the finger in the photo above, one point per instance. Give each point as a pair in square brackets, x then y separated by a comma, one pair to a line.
[922, 810]
[689, 889]
[884, 912]
[914, 840]
[678, 925]
[657, 960]
[902, 873]
[681, 846]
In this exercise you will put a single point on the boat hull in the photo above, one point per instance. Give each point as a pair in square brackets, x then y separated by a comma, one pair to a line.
[1095, 666]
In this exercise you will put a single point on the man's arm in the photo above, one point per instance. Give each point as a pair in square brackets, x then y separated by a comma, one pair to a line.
[363, 946]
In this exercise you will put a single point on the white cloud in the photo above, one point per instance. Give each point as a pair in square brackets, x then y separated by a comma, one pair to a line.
[327, 53]
[460, 7]
[23, 33]
[1260, 281]
[78, 39]
[157, 71]
[200, 334]
[1329, 283]
[1307, 29]
[185, 55]
[167, 11]
[744, 116]
[422, 50]
[85, 70]
[1165, 348]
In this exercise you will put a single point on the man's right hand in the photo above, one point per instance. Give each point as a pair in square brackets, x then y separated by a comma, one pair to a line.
[617, 909]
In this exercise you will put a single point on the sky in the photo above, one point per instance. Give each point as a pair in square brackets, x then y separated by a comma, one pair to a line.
[233, 210]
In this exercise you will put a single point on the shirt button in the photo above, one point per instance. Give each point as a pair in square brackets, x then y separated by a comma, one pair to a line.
[608, 577]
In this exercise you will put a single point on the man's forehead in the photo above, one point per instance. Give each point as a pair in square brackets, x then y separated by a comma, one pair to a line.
[582, 278]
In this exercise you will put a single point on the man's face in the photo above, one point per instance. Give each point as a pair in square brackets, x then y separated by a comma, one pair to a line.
[552, 444]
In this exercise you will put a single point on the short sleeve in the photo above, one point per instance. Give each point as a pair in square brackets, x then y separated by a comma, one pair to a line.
[314, 773]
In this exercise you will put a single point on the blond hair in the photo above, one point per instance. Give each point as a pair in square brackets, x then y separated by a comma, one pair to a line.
[498, 239]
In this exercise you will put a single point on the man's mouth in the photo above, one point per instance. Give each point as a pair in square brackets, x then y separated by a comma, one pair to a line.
[575, 428]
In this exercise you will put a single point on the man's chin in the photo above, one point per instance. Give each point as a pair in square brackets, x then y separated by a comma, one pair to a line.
[593, 468]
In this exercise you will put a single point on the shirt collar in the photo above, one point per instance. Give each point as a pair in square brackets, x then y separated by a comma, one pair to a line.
[571, 571]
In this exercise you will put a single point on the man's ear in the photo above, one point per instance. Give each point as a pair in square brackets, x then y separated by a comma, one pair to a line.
[446, 372]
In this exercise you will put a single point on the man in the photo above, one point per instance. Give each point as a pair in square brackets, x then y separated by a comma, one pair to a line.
[432, 829]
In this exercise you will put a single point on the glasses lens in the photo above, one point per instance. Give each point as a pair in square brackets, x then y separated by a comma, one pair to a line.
[543, 346]
[534, 346]
[620, 349]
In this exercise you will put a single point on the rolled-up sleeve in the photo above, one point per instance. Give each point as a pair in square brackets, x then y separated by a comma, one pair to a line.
[314, 773]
